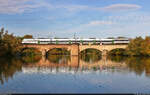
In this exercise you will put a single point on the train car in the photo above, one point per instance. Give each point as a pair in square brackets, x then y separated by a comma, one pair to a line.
[121, 41]
[67, 41]
[29, 41]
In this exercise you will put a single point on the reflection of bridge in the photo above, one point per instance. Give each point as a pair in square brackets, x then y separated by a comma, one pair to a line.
[46, 63]
[74, 49]
[75, 64]
[104, 62]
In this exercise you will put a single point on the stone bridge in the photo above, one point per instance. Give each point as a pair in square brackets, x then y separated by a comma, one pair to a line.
[74, 49]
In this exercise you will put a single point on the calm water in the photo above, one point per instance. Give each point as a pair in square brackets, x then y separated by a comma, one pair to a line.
[65, 74]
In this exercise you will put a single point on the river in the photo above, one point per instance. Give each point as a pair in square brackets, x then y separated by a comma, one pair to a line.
[73, 74]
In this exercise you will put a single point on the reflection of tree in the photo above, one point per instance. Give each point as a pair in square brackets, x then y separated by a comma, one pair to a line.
[59, 51]
[90, 55]
[58, 58]
[30, 52]
[135, 64]
[117, 58]
[31, 55]
[139, 65]
[8, 68]
[31, 59]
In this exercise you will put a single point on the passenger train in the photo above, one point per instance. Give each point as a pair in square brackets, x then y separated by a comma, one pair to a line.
[70, 41]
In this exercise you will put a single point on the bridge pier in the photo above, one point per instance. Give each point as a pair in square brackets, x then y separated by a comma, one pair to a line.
[74, 62]
[104, 52]
[74, 49]
[44, 51]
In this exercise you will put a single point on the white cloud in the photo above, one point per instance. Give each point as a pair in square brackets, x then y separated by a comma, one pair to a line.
[19, 6]
[73, 8]
[110, 8]
[120, 7]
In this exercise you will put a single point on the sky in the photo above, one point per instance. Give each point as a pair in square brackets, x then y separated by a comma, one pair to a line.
[82, 18]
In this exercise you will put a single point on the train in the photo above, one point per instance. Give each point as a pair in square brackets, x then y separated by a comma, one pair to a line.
[73, 40]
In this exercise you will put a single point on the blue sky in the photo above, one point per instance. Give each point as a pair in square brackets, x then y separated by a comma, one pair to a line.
[85, 18]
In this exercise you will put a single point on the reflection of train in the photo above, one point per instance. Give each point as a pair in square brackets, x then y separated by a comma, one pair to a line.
[69, 41]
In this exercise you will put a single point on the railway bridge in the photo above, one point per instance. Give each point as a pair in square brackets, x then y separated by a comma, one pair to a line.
[74, 49]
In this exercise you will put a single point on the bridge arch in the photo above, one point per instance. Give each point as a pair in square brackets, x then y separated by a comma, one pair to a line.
[30, 50]
[56, 51]
[90, 55]
[90, 50]
[25, 48]
[117, 51]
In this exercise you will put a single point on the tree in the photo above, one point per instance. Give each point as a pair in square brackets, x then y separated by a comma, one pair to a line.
[1, 34]
[28, 36]
[135, 47]
[9, 44]
[110, 38]
[146, 46]
[120, 37]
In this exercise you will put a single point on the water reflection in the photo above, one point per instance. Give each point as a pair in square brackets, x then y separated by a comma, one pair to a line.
[72, 64]
[8, 67]
[137, 65]
[31, 59]
[90, 55]
[90, 58]
[59, 59]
